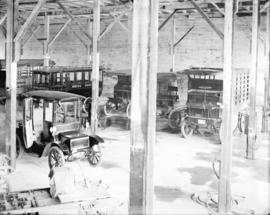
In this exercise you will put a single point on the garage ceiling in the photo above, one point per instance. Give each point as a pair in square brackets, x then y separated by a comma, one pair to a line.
[82, 9]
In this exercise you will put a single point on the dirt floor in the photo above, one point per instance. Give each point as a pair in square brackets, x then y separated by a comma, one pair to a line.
[182, 167]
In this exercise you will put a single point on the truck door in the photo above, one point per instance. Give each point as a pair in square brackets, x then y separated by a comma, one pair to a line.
[28, 122]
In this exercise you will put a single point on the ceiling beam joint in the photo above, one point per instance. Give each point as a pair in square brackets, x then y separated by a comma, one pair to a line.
[207, 19]
[29, 20]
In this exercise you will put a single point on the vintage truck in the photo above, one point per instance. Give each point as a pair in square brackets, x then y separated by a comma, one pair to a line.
[51, 121]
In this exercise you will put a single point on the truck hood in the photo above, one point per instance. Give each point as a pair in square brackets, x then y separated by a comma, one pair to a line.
[73, 135]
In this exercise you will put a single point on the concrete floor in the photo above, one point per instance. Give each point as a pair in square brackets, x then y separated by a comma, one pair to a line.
[182, 167]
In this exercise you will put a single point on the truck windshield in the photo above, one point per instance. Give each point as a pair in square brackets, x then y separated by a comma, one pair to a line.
[66, 112]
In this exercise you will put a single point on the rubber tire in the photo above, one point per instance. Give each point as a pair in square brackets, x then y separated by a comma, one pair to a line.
[183, 126]
[94, 157]
[171, 125]
[19, 147]
[60, 156]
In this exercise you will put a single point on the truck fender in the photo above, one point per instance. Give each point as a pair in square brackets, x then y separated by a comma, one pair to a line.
[95, 139]
[46, 149]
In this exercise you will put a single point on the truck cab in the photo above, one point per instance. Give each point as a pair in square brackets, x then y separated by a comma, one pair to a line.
[52, 121]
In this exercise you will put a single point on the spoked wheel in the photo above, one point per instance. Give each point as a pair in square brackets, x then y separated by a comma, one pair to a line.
[94, 155]
[186, 129]
[56, 157]
[174, 119]
[19, 147]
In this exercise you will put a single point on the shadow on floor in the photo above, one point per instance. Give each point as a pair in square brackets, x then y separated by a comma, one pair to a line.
[168, 194]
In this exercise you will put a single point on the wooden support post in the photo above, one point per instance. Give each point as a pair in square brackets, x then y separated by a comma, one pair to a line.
[172, 45]
[143, 105]
[212, 25]
[224, 191]
[251, 138]
[95, 67]
[46, 54]
[89, 46]
[11, 85]
[265, 125]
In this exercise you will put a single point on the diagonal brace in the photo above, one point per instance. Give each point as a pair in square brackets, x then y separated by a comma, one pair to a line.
[77, 35]
[73, 19]
[110, 26]
[3, 19]
[212, 25]
[59, 32]
[29, 20]
[166, 20]
[183, 37]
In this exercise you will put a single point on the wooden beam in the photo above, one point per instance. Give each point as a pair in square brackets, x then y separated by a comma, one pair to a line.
[11, 85]
[207, 19]
[183, 37]
[29, 20]
[73, 19]
[217, 7]
[3, 19]
[224, 191]
[95, 66]
[266, 109]
[253, 81]
[266, 6]
[166, 20]
[143, 105]
[63, 27]
[110, 26]
[123, 26]
[46, 52]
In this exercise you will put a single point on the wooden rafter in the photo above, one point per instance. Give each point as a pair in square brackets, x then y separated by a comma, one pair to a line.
[203, 14]
[29, 20]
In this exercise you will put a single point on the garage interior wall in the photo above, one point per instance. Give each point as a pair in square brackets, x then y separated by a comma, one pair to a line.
[201, 47]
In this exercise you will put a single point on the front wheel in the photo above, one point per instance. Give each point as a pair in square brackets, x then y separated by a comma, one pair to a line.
[186, 129]
[94, 155]
[56, 157]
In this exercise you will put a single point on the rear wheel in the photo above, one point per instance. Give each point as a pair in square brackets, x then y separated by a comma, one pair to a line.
[174, 119]
[94, 155]
[56, 157]
[186, 129]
